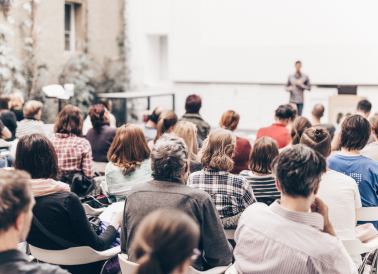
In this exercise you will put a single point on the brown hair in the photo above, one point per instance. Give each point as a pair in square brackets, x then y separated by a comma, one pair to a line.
[230, 120]
[164, 240]
[374, 124]
[217, 150]
[16, 100]
[129, 148]
[96, 113]
[355, 132]
[193, 103]
[167, 119]
[318, 139]
[31, 108]
[262, 155]
[4, 103]
[294, 108]
[70, 121]
[299, 125]
[318, 111]
[188, 132]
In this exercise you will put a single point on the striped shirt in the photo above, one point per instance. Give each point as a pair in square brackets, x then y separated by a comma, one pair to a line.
[276, 240]
[30, 126]
[264, 187]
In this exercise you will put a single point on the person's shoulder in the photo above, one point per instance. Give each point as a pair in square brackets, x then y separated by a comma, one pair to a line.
[244, 173]
[47, 269]
[334, 175]
[252, 210]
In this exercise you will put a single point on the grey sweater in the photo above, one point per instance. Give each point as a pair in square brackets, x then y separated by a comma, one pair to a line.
[147, 197]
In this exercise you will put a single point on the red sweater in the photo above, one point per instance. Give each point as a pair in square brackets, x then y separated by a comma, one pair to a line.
[277, 132]
[241, 155]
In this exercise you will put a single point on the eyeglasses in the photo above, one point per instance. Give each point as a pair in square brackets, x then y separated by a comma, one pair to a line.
[196, 254]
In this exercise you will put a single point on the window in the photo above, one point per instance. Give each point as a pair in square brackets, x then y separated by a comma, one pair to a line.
[69, 27]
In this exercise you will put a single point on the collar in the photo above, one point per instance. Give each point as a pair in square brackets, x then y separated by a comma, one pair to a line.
[214, 171]
[12, 256]
[105, 124]
[312, 219]
[171, 180]
[278, 125]
[31, 118]
[64, 135]
[192, 115]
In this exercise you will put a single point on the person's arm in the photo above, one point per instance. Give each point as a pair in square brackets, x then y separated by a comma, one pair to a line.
[87, 163]
[123, 240]
[289, 86]
[306, 84]
[12, 120]
[320, 207]
[5, 133]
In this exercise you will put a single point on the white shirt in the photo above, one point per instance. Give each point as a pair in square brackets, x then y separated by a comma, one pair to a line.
[371, 151]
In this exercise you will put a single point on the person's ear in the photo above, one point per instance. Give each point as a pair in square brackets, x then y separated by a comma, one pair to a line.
[329, 153]
[317, 187]
[278, 185]
[20, 222]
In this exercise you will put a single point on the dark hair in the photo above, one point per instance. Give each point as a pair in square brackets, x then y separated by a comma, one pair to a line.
[193, 104]
[15, 197]
[36, 155]
[299, 125]
[167, 119]
[318, 111]
[262, 154]
[294, 108]
[364, 106]
[4, 103]
[355, 132]
[298, 62]
[318, 139]
[70, 121]
[229, 120]
[154, 117]
[104, 102]
[298, 170]
[164, 240]
[96, 113]
[284, 112]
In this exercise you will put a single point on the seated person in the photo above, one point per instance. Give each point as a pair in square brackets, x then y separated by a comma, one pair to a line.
[108, 104]
[173, 236]
[231, 194]
[32, 120]
[16, 204]
[188, 132]
[260, 175]
[129, 162]
[169, 160]
[294, 108]
[278, 130]
[8, 117]
[371, 150]
[317, 114]
[149, 128]
[166, 124]
[57, 209]
[355, 134]
[16, 105]
[4, 146]
[101, 135]
[230, 121]
[338, 191]
[285, 237]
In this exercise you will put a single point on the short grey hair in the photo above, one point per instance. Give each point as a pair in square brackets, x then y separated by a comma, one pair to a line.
[169, 157]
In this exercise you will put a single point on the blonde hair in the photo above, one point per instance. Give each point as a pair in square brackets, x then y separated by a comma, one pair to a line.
[188, 132]
[31, 108]
[16, 100]
[218, 149]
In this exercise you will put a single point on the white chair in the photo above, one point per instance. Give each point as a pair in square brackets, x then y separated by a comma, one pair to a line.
[230, 233]
[232, 270]
[99, 166]
[367, 214]
[74, 255]
[356, 247]
[128, 267]
[93, 211]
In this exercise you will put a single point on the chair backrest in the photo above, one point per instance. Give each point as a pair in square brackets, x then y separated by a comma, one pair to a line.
[93, 211]
[230, 233]
[367, 214]
[231, 270]
[356, 247]
[99, 166]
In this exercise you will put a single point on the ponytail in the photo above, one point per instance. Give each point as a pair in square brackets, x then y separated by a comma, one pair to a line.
[167, 119]
[299, 126]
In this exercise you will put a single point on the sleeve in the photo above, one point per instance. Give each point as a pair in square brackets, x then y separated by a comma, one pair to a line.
[307, 84]
[217, 251]
[83, 228]
[1, 126]
[124, 230]
[87, 163]
[288, 84]
[12, 119]
[343, 263]
[248, 197]
[357, 197]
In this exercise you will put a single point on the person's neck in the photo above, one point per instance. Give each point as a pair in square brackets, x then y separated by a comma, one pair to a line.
[363, 114]
[352, 152]
[261, 174]
[150, 124]
[315, 121]
[278, 121]
[9, 240]
[297, 204]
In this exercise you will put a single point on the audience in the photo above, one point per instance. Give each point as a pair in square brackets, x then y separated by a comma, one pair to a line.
[230, 121]
[338, 191]
[231, 194]
[16, 204]
[5, 133]
[317, 114]
[299, 126]
[260, 175]
[31, 123]
[129, 162]
[16, 104]
[371, 150]
[284, 237]
[166, 124]
[108, 104]
[294, 108]
[169, 159]
[188, 132]
[363, 109]
[58, 210]
[165, 242]
[8, 117]
[193, 105]
[101, 135]
[355, 134]
[149, 128]
[278, 130]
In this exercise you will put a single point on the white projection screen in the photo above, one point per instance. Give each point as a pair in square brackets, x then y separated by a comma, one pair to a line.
[258, 41]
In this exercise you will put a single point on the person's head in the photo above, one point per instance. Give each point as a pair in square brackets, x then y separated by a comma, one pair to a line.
[294, 108]
[318, 111]
[374, 124]
[284, 114]
[169, 157]
[229, 120]
[70, 121]
[16, 100]
[299, 125]
[298, 65]
[129, 148]
[4, 103]
[263, 152]
[154, 117]
[355, 132]
[166, 123]
[188, 132]
[318, 139]
[106, 102]
[298, 170]
[33, 109]
[36, 155]
[165, 242]
[363, 108]
[16, 204]
[193, 104]
[98, 114]
[218, 149]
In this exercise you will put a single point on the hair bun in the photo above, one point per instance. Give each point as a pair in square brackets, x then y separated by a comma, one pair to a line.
[319, 134]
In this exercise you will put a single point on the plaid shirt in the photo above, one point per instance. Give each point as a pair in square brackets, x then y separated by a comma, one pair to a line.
[74, 154]
[231, 194]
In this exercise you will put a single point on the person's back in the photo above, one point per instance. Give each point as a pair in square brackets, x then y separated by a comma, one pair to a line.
[371, 150]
